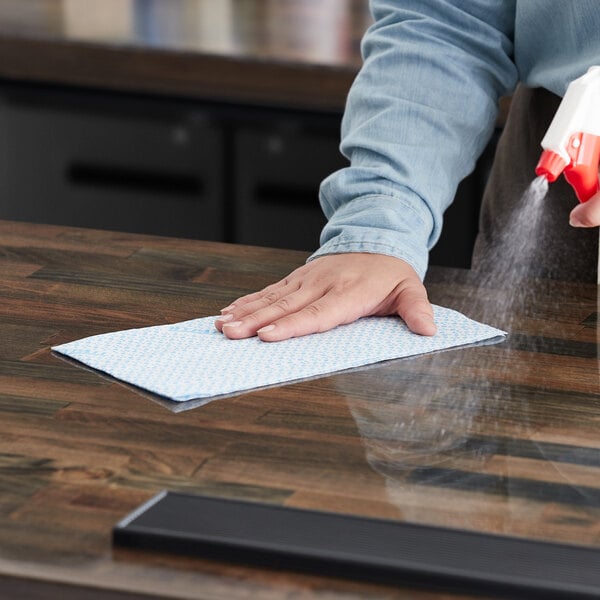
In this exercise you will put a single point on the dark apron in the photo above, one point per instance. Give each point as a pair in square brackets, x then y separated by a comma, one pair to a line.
[560, 251]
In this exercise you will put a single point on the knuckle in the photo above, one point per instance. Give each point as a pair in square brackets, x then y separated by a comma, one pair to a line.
[313, 310]
[338, 292]
[251, 320]
[270, 297]
[414, 290]
[282, 305]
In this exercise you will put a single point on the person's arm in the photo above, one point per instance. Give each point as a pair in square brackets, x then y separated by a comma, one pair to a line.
[418, 115]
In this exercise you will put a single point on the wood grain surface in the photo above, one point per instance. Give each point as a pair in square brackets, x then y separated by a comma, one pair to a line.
[498, 438]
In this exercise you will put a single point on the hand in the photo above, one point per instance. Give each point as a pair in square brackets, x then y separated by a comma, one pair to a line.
[329, 291]
[586, 214]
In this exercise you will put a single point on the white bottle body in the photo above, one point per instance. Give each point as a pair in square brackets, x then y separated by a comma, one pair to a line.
[579, 112]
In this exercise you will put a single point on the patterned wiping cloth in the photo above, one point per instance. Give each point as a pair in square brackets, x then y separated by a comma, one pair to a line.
[191, 359]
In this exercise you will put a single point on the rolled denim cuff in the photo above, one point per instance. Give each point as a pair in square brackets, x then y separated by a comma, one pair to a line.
[343, 245]
[380, 224]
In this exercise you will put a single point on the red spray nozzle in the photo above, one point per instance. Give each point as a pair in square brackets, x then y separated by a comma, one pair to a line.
[582, 170]
[550, 165]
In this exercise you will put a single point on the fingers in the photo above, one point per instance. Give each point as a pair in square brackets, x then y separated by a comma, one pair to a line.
[586, 214]
[274, 293]
[330, 291]
[274, 288]
[321, 315]
[248, 319]
[312, 299]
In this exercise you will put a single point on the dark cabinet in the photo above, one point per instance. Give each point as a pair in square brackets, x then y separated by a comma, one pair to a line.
[277, 174]
[70, 160]
[182, 168]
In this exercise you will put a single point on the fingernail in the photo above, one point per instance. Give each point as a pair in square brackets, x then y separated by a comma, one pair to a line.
[266, 328]
[224, 318]
[230, 307]
[234, 324]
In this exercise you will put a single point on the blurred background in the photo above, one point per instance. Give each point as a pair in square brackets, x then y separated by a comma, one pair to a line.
[207, 119]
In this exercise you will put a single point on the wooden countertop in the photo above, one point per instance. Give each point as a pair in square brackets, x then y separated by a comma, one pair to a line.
[501, 438]
[290, 53]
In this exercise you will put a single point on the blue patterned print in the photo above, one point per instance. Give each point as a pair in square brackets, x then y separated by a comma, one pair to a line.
[191, 359]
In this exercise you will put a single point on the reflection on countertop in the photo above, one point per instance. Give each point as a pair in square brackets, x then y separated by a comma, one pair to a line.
[499, 439]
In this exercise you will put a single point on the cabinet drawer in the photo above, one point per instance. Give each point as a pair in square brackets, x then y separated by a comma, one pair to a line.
[277, 178]
[117, 168]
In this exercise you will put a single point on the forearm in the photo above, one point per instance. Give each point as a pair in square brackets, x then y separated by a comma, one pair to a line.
[418, 115]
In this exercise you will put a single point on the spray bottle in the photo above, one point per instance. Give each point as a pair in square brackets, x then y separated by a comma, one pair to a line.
[572, 143]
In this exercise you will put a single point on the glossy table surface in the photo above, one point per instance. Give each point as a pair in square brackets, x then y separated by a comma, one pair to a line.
[296, 53]
[503, 439]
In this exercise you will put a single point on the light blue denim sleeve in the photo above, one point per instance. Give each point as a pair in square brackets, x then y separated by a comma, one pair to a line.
[418, 115]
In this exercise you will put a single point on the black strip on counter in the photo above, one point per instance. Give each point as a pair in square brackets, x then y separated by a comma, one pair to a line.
[333, 544]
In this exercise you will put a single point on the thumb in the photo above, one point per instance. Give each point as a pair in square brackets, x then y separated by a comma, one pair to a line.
[415, 309]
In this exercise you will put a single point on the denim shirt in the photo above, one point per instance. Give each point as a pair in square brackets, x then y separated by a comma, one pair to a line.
[424, 104]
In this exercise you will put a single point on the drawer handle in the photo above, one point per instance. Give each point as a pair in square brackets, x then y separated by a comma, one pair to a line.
[287, 195]
[135, 180]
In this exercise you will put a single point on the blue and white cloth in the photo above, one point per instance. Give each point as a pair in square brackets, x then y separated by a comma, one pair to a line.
[191, 359]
